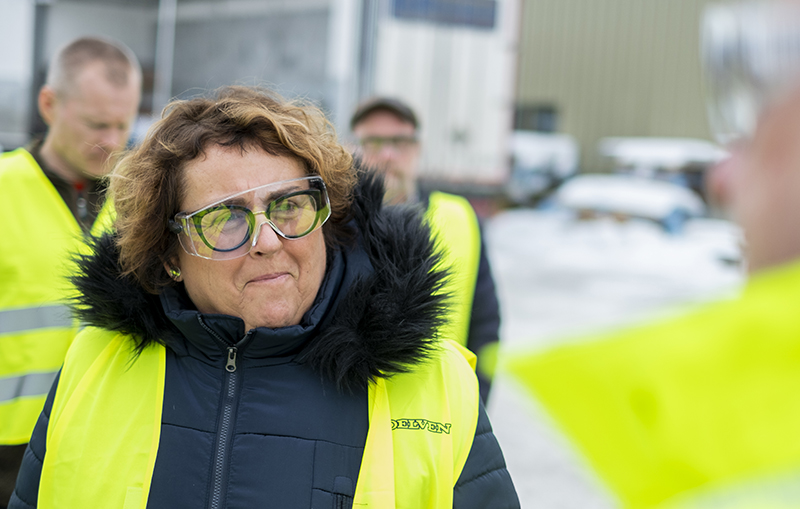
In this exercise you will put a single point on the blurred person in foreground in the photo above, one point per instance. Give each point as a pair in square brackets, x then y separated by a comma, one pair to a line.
[703, 410]
[53, 191]
[261, 332]
[386, 130]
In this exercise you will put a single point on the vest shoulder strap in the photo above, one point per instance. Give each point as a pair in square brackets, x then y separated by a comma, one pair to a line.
[106, 418]
[104, 222]
[417, 446]
[454, 225]
[22, 178]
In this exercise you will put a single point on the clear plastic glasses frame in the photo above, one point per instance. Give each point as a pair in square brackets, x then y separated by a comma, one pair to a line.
[228, 229]
[751, 58]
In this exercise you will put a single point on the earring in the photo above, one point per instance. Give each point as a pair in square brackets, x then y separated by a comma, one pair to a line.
[175, 273]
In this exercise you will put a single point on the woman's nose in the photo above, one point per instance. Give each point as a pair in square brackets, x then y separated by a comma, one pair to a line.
[266, 240]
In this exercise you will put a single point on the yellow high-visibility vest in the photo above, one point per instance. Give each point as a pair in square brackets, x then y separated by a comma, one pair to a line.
[104, 429]
[39, 235]
[455, 228]
[700, 408]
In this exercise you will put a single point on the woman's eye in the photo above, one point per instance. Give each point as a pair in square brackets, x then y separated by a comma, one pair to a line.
[236, 215]
[224, 219]
[286, 206]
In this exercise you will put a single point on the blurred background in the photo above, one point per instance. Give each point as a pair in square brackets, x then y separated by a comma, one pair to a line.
[577, 129]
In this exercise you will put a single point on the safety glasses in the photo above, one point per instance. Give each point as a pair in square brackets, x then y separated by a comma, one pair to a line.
[751, 58]
[228, 229]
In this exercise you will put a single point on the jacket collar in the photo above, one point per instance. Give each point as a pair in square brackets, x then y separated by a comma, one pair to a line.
[377, 314]
[212, 334]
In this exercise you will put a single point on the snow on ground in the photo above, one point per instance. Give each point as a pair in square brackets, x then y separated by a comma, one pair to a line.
[559, 278]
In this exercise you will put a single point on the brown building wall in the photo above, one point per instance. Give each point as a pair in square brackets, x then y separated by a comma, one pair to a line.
[613, 68]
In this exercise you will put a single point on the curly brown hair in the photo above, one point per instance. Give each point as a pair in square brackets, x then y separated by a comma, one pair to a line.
[147, 185]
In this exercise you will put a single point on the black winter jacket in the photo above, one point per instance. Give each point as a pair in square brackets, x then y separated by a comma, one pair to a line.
[299, 416]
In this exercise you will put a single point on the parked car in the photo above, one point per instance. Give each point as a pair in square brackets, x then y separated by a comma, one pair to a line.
[684, 161]
[627, 197]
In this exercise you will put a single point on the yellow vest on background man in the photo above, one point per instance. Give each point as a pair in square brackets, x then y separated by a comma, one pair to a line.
[454, 225]
[39, 233]
[104, 429]
[701, 411]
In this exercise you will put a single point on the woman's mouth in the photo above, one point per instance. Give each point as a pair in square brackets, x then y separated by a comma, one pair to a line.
[269, 278]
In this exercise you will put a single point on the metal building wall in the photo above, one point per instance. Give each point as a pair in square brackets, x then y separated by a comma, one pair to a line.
[280, 45]
[614, 68]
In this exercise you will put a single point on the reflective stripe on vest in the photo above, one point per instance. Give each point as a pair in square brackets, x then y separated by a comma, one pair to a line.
[35, 330]
[32, 318]
[25, 386]
[455, 226]
[105, 426]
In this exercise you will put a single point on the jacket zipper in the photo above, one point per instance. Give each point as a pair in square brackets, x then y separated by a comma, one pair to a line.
[226, 418]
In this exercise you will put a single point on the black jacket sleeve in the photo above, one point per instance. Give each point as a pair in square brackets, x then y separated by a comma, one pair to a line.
[485, 481]
[26, 492]
[484, 325]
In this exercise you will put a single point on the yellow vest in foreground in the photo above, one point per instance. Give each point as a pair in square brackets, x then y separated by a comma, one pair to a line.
[698, 412]
[39, 234]
[105, 426]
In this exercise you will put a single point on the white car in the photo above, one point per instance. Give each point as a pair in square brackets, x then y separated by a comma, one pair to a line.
[630, 197]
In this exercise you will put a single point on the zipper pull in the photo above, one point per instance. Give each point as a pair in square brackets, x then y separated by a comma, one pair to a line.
[231, 364]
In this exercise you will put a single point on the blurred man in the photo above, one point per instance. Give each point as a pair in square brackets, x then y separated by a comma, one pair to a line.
[703, 411]
[386, 131]
[53, 193]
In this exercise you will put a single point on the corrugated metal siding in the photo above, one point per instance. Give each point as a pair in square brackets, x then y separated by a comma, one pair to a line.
[614, 68]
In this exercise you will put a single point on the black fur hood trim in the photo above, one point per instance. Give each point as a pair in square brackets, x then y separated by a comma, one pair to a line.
[384, 321]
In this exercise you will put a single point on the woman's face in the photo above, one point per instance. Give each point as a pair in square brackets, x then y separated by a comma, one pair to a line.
[277, 281]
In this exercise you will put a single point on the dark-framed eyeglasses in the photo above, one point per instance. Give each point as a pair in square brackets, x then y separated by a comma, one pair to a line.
[228, 229]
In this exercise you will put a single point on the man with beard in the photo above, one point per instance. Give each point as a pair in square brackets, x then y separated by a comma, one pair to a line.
[386, 130]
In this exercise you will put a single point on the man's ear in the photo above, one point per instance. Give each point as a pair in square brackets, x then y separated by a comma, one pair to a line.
[47, 103]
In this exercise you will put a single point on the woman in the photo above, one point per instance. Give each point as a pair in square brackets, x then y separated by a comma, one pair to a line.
[262, 334]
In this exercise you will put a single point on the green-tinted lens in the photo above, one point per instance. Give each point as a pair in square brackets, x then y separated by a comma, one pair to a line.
[295, 214]
[225, 227]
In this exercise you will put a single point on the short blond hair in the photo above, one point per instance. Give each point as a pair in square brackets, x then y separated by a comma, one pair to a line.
[121, 65]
